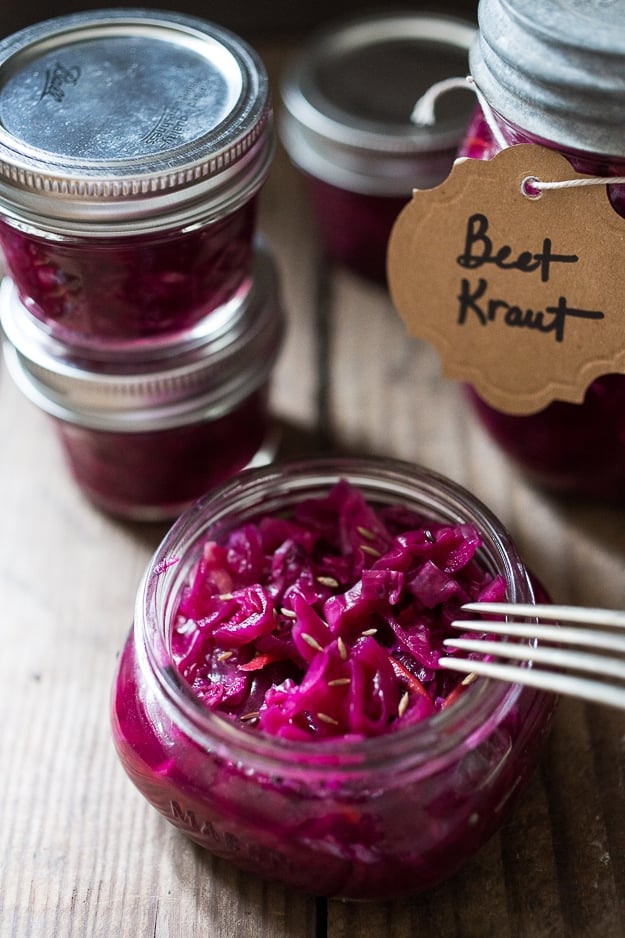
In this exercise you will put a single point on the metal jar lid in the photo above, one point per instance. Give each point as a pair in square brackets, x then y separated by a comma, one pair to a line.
[555, 69]
[183, 381]
[348, 96]
[122, 121]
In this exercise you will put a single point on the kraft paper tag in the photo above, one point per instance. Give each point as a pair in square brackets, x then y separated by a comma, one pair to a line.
[524, 298]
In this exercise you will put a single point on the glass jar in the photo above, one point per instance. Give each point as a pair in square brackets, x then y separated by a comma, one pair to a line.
[146, 432]
[345, 122]
[555, 78]
[132, 147]
[366, 818]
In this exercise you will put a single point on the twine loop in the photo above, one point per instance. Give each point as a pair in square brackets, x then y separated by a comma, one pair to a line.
[424, 115]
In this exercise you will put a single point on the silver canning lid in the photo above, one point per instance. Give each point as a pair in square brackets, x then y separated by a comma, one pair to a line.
[348, 96]
[122, 121]
[556, 69]
[190, 379]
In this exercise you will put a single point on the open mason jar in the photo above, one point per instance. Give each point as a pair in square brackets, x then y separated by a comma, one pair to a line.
[336, 811]
[132, 147]
[146, 432]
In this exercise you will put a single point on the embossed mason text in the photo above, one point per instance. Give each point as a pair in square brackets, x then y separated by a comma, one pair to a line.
[56, 78]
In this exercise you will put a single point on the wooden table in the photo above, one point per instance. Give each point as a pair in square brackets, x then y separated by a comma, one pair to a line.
[83, 855]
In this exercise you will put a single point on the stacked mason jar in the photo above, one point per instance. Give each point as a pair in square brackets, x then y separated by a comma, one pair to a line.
[141, 311]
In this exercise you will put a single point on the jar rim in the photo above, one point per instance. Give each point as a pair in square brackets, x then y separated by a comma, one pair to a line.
[433, 740]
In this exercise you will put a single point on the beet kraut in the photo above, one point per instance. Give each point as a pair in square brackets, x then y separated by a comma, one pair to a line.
[329, 622]
[259, 712]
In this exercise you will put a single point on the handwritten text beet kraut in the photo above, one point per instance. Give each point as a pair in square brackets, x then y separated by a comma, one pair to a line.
[473, 298]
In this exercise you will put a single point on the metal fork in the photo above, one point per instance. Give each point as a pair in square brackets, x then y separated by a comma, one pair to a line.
[546, 661]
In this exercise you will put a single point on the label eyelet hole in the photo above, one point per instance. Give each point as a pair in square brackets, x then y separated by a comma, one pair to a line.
[530, 188]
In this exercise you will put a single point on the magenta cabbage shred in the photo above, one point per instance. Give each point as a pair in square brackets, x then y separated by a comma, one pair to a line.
[329, 623]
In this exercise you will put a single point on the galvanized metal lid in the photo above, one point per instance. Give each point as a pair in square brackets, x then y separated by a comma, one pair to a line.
[556, 69]
[197, 377]
[129, 120]
[348, 96]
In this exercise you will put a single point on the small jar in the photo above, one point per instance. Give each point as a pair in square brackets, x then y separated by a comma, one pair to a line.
[146, 432]
[346, 123]
[555, 77]
[355, 818]
[132, 147]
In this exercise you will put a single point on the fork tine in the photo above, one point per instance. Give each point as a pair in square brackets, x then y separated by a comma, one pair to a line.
[568, 685]
[535, 653]
[556, 633]
[614, 618]
[555, 657]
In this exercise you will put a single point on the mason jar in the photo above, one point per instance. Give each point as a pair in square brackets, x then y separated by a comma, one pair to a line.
[145, 432]
[133, 144]
[554, 76]
[347, 99]
[355, 816]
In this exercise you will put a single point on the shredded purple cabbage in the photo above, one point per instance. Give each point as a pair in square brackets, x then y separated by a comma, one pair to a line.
[330, 623]
[122, 289]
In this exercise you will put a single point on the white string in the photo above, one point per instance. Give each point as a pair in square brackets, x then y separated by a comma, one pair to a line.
[573, 183]
[423, 111]
[489, 117]
[423, 115]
